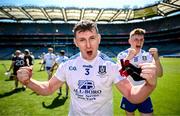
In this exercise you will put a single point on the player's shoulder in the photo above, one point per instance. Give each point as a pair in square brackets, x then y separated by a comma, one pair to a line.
[14, 58]
[54, 54]
[65, 57]
[74, 57]
[104, 57]
[71, 60]
[46, 55]
[143, 52]
[122, 54]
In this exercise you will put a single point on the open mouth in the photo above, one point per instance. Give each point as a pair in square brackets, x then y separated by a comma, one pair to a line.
[138, 47]
[89, 53]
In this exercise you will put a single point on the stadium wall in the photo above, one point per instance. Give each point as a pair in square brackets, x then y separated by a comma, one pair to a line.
[163, 34]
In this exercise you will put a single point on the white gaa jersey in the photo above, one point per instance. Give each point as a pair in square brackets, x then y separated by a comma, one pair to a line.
[141, 57]
[61, 59]
[49, 59]
[90, 84]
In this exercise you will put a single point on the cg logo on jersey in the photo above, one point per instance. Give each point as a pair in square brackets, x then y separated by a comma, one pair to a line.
[72, 68]
[102, 70]
[144, 58]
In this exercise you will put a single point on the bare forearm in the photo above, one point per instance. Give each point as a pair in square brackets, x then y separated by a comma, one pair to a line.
[138, 95]
[154, 52]
[42, 88]
[24, 75]
[135, 94]
[159, 68]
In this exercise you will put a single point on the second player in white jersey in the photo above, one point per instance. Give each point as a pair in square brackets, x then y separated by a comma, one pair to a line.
[141, 57]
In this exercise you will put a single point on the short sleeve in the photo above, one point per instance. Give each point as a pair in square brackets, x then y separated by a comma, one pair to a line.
[120, 56]
[56, 60]
[116, 74]
[60, 73]
[54, 57]
[45, 57]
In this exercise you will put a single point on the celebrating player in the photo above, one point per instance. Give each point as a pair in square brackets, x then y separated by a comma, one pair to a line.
[136, 56]
[90, 75]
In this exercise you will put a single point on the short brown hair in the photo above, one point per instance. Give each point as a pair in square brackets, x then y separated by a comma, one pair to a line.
[85, 25]
[18, 52]
[137, 31]
[50, 49]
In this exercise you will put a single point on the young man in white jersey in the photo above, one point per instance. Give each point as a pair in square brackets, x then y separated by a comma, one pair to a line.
[90, 75]
[49, 59]
[60, 59]
[136, 55]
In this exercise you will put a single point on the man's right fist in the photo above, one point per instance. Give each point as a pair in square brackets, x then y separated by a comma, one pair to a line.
[24, 74]
[131, 53]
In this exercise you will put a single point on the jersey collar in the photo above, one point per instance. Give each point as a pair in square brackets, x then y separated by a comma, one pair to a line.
[90, 61]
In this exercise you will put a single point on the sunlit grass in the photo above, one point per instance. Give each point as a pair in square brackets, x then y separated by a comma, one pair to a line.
[26, 103]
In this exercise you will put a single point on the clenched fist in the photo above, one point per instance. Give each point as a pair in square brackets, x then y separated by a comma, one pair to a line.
[149, 73]
[24, 74]
[131, 53]
[154, 53]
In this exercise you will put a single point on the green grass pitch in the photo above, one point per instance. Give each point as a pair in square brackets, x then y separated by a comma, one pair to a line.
[166, 97]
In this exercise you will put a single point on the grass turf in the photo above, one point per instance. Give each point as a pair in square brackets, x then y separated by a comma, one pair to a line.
[27, 103]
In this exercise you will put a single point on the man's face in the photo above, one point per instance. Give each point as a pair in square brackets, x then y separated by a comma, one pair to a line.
[88, 43]
[50, 50]
[136, 42]
[17, 53]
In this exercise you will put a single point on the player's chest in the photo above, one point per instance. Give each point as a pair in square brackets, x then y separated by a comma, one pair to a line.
[87, 71]
[96, 74]
[140, 59]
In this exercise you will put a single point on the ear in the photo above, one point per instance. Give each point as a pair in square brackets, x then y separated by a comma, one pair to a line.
[99, 36]
[129, 40]
[75, 42]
